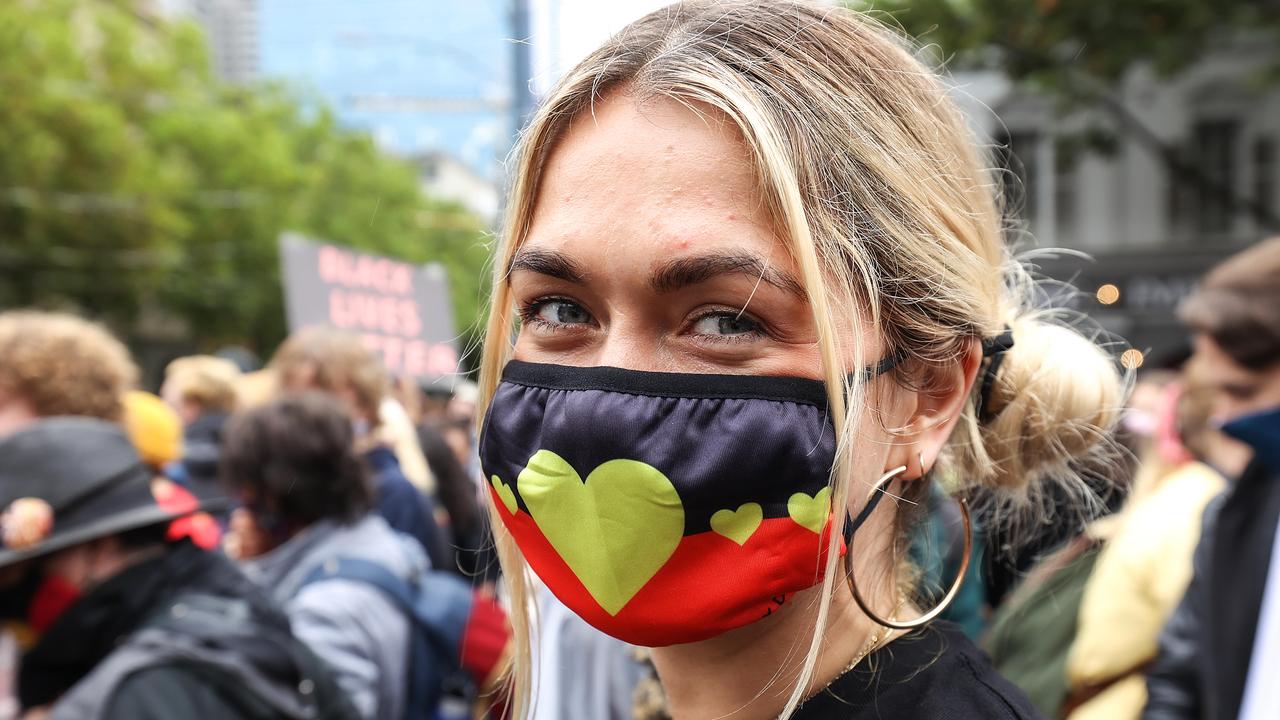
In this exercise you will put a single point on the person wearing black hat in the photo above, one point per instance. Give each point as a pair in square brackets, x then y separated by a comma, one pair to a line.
[130, 624]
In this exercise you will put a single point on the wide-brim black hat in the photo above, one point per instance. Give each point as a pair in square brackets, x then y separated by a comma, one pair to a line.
[87, 473]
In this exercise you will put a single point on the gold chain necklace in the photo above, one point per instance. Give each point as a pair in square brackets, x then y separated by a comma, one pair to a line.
[869, 648]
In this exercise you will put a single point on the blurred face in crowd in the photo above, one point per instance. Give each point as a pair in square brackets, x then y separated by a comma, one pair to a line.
[298, 382]
[1145, 403]
[461, 409]
[1238, 390]
[459, 442]
[15, 412]
[171, 392]
[86, 565]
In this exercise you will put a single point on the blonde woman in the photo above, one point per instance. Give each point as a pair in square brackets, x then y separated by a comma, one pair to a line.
[754, 274]
[201, 389]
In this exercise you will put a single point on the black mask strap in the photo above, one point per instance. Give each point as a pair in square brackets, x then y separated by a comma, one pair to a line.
[887, 363]
[868, 374]
[851, 525]
[994, 348]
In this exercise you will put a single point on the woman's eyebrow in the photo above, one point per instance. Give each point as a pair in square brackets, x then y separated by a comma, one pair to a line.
[682, 272]
[548, 262]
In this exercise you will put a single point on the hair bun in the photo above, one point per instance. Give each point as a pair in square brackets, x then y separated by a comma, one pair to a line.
[1054, 402]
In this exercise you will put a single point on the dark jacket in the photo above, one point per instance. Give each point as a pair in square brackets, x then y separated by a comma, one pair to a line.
[198, 469]
[184, 635]
[468, 529]
[405, 508]
[1205, 648]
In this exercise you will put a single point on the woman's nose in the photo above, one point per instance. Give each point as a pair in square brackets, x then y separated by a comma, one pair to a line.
[629, 346]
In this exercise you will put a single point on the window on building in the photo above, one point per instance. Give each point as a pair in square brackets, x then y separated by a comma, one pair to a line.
[1016, 154]
[429, 169]
[1215, 143]
[1182, 192]
[1264, 173]
[1066, 176]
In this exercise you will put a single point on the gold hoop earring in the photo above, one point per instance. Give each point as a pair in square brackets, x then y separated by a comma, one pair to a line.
[947, 599]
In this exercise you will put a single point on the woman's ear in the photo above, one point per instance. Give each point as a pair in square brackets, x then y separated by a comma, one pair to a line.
[938, 404]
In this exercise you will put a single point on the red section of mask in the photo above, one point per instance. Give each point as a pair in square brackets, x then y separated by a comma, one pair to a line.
[709, 585]
[54, 596]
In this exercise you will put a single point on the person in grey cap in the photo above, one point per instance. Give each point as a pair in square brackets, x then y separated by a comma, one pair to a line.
[129, 624]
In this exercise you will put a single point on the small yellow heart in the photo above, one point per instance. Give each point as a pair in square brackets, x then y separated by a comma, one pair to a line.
[810, 512]
[738, 525]
[507, 495]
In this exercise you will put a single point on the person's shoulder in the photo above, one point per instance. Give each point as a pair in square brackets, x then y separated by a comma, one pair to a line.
[180, 690]
[989, 692]
[931, 673]
[1188, 489]
[372, 540]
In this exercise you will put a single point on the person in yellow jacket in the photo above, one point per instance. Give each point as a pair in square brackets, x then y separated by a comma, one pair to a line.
[1145, 566]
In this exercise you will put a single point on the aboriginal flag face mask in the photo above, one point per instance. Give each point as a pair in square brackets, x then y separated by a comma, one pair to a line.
[663, 508]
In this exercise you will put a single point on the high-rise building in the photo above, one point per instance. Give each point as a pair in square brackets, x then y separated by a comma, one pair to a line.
[423, 78]
[231, 28]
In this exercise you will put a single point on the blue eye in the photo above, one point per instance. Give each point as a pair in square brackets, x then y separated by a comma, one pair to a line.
[556, 311]
[726, 324]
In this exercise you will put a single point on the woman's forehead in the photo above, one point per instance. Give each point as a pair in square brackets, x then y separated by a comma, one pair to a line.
[651, 180]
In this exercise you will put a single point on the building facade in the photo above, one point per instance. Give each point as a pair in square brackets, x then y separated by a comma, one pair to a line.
[231, 28]
[421, 77]
[1189, 175]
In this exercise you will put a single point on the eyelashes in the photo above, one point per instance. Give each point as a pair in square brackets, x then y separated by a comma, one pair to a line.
[550, 314]
[553, 312]
[727, 326]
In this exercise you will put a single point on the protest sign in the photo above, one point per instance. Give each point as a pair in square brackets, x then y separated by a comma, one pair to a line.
[400, 310]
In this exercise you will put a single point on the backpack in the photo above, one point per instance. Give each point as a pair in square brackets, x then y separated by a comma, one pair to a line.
[191, 639]
[445, 613]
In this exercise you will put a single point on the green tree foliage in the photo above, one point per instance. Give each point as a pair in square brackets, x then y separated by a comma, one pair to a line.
[1054, 41]
[131, 179]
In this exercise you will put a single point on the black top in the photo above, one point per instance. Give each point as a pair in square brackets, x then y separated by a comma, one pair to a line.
[931, 674]
[1206, 646]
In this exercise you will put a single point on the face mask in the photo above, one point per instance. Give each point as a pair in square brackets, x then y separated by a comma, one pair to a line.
[1261, 431]
[53, 597]
[663, 508]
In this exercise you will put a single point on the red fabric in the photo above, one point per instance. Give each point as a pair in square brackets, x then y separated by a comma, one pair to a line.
[1168, 435]
[173, 497]
[485, 640]
[49, 602]
[202, 529]
[709, 585]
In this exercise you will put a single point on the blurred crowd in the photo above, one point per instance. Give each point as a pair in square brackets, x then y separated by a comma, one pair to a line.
[309, 539]
[304, 539]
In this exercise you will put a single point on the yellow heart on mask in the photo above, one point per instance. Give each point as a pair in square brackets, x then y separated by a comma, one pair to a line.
[738, 525]
[507, 495]
[615, 530]
[810, 512]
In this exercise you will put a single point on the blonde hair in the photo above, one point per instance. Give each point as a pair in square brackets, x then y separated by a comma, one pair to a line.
[888, 210]
[330, 360]
[205, 380]
[64, 365]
